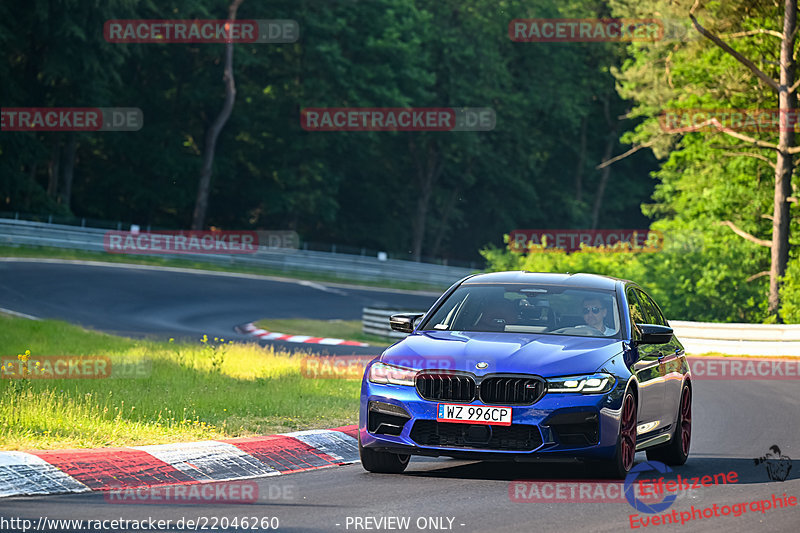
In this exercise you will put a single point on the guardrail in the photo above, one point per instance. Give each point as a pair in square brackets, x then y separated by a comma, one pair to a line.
[345, 266]
[738, 339]
[696, 337]
[737, 332]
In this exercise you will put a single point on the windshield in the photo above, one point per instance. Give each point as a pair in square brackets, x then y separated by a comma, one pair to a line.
[542, 309]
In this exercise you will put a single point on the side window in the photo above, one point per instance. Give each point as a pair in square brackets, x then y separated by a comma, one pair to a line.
[662, 320]
[635, 308]
[651, 311]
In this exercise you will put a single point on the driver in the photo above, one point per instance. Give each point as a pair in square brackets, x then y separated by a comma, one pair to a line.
[594, 315]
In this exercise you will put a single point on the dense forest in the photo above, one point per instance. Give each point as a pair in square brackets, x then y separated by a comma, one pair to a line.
[438, 194]
[579, 139]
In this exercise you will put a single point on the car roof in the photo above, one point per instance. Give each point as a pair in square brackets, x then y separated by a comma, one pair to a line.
[584, 281]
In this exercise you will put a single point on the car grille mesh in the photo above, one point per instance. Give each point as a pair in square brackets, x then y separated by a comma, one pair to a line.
[451, 387]
[511, 390]
[517, 437]
[446, 387]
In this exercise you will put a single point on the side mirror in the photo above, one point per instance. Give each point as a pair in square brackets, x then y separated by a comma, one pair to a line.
[654, 334]
[404, 322]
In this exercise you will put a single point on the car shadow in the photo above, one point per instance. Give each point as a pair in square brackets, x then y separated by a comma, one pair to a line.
[746, 470]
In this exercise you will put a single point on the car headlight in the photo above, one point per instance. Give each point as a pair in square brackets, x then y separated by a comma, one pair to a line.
[591, 384]
[392, 375]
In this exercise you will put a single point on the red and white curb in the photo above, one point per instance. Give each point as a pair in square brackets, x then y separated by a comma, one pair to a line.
[105, 469]
[251, 329]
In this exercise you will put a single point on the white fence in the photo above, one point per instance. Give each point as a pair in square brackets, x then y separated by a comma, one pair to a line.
[738, 339]
[352, 267]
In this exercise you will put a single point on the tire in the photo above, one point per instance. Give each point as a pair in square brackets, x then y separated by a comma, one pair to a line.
[625, 452]
[382, 462]
[676, 451]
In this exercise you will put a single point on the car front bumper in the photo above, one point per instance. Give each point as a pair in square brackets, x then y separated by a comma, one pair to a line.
[559, 426]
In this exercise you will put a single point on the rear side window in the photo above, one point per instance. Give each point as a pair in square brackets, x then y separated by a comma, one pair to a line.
[635, 308]
[651, 311]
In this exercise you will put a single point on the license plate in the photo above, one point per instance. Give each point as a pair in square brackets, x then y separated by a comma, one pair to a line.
[474, 414]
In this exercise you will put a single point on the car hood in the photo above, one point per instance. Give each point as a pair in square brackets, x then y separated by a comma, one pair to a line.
[545, 355]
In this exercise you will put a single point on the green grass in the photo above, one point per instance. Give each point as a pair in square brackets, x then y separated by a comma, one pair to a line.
[341, 329]
[193, 391]
[80, 255]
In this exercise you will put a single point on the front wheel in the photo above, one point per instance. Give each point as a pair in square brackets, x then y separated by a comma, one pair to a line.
[621, 464]
[676, 451]
[382, 462]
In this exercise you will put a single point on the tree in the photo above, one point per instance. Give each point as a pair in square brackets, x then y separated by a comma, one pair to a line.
[201, 206]
[696, 67]
[414, 194]
[786, 89]
[64, 63]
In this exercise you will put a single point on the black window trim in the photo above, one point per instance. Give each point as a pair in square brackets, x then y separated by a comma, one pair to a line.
[630, 290]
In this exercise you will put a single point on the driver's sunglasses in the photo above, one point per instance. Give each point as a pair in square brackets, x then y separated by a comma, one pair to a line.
[594, 310]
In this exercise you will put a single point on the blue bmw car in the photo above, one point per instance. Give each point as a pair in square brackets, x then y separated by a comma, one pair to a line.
[523, 366]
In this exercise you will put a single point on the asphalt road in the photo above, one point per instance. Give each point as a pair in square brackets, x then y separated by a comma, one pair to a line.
[734, 422]
[143, 301]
